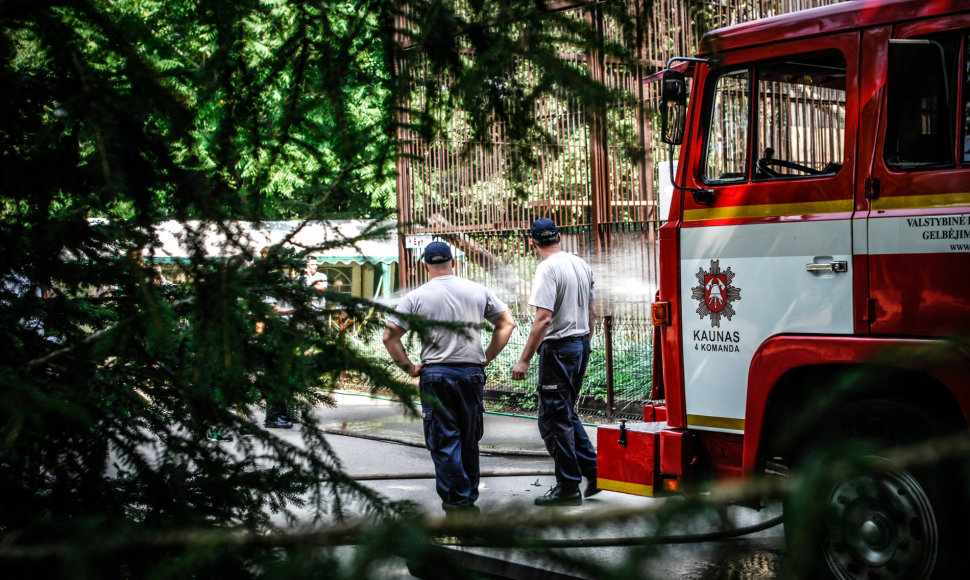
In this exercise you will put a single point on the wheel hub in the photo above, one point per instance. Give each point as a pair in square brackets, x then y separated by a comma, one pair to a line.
[870, 533]
[880, 525]
[876, 532]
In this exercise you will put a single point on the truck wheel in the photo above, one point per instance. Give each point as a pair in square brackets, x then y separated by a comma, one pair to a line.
[856, 515]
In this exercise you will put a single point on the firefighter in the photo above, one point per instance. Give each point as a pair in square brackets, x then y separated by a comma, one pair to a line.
[562, 295]
[452, 370]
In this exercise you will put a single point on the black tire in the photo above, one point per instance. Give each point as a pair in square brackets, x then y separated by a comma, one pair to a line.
[857, 516]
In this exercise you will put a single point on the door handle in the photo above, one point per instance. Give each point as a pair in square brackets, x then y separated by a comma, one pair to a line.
[835, 267]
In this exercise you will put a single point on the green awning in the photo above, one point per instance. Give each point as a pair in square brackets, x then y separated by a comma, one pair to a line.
[347, 260]
[355, 260]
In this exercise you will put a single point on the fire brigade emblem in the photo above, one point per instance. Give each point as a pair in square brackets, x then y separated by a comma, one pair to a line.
[715, 293]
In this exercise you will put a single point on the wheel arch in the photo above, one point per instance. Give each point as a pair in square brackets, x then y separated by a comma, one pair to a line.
[794, 377]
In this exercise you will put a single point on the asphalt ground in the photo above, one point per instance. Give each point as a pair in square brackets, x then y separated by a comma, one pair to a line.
[380, 444]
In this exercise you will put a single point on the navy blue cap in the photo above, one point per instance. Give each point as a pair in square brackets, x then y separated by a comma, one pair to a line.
[544, 230]
[437, 253]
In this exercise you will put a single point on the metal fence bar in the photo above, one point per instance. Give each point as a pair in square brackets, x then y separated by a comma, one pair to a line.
[606, 204]
[608, 332]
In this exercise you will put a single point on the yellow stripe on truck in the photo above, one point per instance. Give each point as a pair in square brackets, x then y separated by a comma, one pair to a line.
[822, 207]
[624, 487]
[922, 201]
[715, 422]
[769, 210]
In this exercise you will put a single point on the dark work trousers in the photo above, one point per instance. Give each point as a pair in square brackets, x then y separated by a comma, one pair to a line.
[562, 365]
[275, 410]
[451, 400]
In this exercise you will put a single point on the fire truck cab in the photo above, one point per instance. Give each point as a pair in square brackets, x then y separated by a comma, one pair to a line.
[815, 281]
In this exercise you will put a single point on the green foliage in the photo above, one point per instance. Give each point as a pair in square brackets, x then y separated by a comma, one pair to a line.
[120, 114]
[135, 112]
[518, 402]
[495, 72]
[632, 368]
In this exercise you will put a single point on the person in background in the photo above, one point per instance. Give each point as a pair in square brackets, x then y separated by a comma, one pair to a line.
[316, 280]
[452, 370]
[562, 295]
[235, 262]
[277, 415]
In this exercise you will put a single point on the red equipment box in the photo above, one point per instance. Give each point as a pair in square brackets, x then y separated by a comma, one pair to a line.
[628, 458]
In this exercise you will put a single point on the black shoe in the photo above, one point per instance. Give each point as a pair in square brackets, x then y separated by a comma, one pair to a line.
[278, 423]
[464, 507]
[561, 496]
[591, 488]
[217, 435]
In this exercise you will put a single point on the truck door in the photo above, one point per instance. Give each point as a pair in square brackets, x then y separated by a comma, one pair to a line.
[919, 183]
[772, 254]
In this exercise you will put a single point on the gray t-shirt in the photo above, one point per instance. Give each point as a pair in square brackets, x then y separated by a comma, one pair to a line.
[452, 299]
[564, 285]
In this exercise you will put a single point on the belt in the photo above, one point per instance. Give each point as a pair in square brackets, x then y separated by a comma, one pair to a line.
[459, 365]
[568, 339]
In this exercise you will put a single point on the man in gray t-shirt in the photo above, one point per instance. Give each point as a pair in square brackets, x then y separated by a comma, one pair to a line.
[452, 369]
[562, 295]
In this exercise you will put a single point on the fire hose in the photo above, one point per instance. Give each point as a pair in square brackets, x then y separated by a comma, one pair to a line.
[714, 536]
[551, 543]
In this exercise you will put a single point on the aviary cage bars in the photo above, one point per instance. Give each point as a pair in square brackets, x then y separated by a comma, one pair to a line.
[606, 204]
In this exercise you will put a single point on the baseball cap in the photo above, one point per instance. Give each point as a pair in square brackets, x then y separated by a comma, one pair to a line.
[437, 253]
[544, 230]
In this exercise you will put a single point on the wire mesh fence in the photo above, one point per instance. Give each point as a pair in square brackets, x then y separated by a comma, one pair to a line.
[614, 387]
[607, 203]
[618, 380]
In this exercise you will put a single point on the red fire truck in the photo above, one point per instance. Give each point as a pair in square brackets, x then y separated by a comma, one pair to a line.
[815, 280]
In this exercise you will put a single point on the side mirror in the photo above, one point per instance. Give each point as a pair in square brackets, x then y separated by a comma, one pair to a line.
[673, 107]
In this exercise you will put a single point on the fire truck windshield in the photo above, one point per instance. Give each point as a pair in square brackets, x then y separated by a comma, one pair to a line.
[798, 120]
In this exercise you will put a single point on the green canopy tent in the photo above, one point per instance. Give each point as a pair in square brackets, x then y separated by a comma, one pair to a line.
[359, 265]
